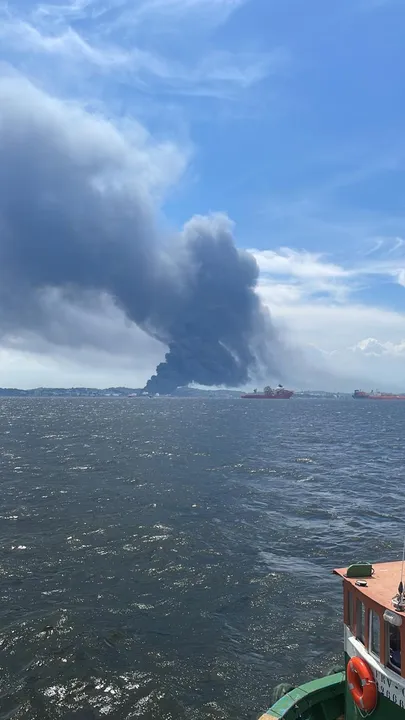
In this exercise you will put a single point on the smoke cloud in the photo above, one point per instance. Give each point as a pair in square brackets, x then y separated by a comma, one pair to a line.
[77, 218]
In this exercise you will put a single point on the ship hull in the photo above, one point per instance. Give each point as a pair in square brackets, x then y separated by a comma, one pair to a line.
[321, 698]
[379, 397]
[329, 697]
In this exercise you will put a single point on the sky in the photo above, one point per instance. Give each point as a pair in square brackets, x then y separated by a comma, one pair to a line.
[284, 116]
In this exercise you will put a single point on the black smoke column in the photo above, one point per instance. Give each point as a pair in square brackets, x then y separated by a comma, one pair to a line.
[76, 216]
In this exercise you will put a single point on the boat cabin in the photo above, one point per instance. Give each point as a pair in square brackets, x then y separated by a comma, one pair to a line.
[374, 640]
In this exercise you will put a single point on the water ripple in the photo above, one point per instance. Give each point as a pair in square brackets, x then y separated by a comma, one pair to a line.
[174, 557]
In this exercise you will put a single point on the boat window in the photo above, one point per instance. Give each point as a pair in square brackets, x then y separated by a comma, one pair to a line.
[394, 639]
[374, 633]
[360, 624]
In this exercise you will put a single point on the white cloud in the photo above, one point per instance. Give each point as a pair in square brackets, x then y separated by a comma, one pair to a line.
[308, 273]
[69, 44]
[75, 9]
[397, 244]
[318, 303]
[164, 12]
[27, 369]
[371, 346]
[314, 273]
[357, 345]
[136, 157]
[337, 327]
[300, 264]
[107, 46]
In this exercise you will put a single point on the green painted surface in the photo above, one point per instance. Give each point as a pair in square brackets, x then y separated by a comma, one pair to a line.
[321, 699]
[359, 570]
[329, 698]
[385, 710]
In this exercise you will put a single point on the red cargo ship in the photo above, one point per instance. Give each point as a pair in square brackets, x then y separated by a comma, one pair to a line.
[377, 395]
[268, 393]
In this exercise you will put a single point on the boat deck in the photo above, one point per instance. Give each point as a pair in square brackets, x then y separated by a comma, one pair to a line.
[382, 586]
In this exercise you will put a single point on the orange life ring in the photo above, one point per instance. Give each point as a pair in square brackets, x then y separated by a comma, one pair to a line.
[362, 684]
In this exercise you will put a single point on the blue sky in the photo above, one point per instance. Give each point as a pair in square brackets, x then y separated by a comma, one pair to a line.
[287, 116]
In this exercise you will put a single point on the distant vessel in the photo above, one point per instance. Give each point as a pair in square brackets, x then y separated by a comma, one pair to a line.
[279, 393]
[377, 395]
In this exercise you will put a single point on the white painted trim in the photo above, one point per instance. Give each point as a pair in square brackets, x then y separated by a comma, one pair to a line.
[389, 684]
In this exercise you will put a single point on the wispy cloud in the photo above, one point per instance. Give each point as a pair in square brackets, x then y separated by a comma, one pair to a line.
[216, 74]
[295, 275]
[74, 10]
[164, 15]
[23, 36]
[308, 275]
[95, 35]
[300, 264]
[161, 12]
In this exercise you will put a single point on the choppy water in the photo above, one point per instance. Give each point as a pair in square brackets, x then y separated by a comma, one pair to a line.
[167, 557]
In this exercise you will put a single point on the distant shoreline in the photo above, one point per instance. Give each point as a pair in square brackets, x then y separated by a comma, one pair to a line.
[138, 393]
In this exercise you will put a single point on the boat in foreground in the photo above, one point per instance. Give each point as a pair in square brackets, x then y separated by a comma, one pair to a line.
[279, 393]
[372, 682]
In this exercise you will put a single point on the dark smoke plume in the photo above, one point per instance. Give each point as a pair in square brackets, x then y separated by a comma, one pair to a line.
[76, 215]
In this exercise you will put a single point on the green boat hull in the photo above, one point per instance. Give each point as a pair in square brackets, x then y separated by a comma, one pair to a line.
[321, 699]
[329, 698]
